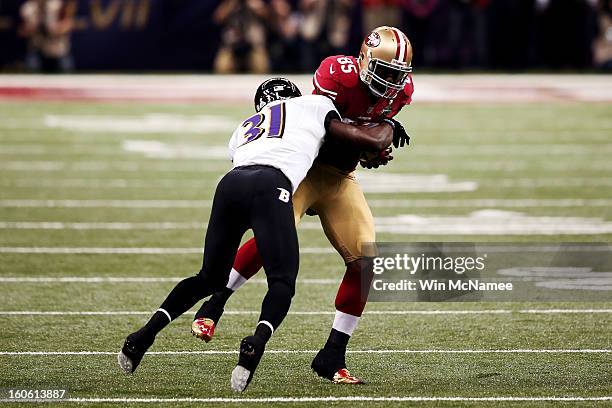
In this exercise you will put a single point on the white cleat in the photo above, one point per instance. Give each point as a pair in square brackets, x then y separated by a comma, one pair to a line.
[240, 378]
[125, 363]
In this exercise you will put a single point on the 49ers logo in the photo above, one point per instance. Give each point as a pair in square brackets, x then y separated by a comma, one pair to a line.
[373, 40]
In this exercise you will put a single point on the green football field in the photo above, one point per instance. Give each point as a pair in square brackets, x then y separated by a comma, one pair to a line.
[104, 206]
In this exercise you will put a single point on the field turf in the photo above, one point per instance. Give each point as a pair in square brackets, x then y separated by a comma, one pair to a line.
[120, 163]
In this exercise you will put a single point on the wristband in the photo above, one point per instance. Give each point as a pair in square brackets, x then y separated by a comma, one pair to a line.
[390, 122]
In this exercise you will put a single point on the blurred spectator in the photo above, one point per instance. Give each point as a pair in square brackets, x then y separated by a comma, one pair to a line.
[378, 13]
[325, 29]
[447, 33]
[284, 38]
[603, 44]
[338, 24]
[243, 37]
[566, 29]
[295, 35]
[511, 34]
[465, 45]
[47, 24]
[418, 26]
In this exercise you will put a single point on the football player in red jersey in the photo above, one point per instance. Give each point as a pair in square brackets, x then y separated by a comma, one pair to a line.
[371, 88]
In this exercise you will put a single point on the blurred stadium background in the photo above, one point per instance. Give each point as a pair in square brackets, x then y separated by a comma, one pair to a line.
[107, 170]
[294, 35]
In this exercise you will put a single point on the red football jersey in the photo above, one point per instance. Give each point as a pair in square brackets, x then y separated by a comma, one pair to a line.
[338, 78]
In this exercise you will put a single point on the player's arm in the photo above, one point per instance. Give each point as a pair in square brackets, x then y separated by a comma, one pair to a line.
[329, 80]
[400, 136]
[374, 138]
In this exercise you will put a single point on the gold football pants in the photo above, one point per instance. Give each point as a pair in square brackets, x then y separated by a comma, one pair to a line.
[342, 208]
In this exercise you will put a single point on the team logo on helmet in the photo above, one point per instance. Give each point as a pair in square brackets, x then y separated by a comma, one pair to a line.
[373, 39]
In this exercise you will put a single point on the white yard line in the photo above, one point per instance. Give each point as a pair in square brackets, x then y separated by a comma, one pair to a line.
[109, 183]
[321, 313]
[378, 203]
[60, 250]
[306, 250]
[128, 251]
[131, 279]
[549, 182]
[114, 183]
[492, 202]
[338, 399]
[33, 149]
[105, 203]
[182, 165]
[491, 222]
[23, 166]
[373, 351]
[482, 222]
[55, 225]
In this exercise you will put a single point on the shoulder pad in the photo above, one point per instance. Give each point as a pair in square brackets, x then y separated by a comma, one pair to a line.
[338, 69]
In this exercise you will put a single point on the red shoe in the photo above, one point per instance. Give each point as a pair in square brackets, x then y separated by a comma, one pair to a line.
[343, 376]
[203, 328]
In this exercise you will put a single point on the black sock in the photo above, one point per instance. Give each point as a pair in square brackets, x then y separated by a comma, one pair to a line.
[220, 298]
[213, 307]
[156, 323]
[337, 340]
[263, 331]
[184, 295]
[277, 301]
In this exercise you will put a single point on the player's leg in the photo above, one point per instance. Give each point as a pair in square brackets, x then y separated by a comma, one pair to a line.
[274, 227]
[225, 229]
[247, 263]
[348, 223]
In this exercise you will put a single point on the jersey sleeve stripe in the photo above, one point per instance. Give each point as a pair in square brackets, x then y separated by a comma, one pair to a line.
[321, 88]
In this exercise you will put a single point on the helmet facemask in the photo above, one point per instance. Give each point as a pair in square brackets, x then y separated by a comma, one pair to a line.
[385, 79]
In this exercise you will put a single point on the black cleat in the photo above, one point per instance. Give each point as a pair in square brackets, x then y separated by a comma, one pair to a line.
[132, 352]
[329, 363]
[251, 351]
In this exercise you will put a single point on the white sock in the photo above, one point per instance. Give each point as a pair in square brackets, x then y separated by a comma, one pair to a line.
[164, 311]
[267, 323]
[235, 281]
[345, 323]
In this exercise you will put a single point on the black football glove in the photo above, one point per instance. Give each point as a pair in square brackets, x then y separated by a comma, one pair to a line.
[400, 137]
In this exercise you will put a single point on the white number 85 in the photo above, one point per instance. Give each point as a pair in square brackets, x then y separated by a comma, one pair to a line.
[346, 65]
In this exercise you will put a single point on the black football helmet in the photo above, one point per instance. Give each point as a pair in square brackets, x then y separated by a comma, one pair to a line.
[273, 90]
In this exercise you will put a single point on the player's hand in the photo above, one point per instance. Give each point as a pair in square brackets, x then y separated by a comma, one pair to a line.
[400, 137]
[380, 159]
